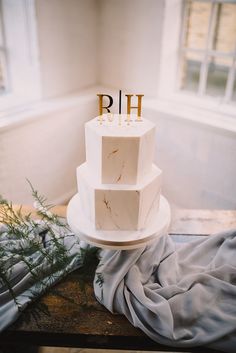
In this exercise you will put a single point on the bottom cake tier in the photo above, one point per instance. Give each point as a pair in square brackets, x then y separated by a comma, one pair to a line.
[117, 239]
[119, 207]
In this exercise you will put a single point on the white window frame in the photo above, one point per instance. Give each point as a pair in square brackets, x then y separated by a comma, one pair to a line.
[23, 81]
[170, 54]
[3, 53]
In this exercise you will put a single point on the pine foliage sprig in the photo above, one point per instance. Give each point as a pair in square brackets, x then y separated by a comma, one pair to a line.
[36, 247]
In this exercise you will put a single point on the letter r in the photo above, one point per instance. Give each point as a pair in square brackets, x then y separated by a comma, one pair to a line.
[101, 107]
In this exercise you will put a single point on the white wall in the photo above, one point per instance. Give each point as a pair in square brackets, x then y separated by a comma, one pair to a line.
[130, 44]
[67, 32]
[198, 163]
[46, 150]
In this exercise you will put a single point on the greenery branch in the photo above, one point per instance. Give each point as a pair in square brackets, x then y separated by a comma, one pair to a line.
[40, 247]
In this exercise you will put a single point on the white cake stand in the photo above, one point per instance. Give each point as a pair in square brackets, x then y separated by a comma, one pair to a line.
[123, 240]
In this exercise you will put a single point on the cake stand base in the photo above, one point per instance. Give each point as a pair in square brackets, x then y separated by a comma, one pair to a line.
[113, 239]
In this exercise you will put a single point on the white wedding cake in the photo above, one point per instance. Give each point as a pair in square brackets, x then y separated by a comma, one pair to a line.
[119, 186]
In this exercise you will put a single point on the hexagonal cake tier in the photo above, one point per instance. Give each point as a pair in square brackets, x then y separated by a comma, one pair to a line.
[119, 207]
[119, 150]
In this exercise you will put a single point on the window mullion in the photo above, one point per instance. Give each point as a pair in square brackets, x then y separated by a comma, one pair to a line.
[230, 80]
[3, 54]
[209, 42]
[210, 52]
[4, 69]
[185, 17]
[183, 35]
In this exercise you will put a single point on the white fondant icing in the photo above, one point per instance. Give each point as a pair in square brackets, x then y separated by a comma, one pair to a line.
[120, 160]
[86, 194]
[146, 153]
[93, 147]
[149, 202]
[118, 152]
[117, 206]
[116, 209]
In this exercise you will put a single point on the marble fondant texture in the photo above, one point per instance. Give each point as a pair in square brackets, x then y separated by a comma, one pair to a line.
[120, 160]
[118, 150]
[116, 206]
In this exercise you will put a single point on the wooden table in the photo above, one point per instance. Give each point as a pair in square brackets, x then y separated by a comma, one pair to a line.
[76, 319]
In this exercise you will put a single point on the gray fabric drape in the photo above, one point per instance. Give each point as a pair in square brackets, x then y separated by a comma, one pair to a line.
[181, 296]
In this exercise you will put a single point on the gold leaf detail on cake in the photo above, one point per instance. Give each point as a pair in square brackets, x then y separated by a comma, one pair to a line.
[106, 202]
[119, 178]
[112, 152]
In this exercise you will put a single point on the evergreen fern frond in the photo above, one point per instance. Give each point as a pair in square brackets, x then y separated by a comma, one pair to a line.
[40, 246]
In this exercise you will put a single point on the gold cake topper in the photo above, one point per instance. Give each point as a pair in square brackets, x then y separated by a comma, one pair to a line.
[129, 106]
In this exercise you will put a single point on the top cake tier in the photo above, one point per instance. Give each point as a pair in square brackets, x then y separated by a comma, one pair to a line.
[119, 148]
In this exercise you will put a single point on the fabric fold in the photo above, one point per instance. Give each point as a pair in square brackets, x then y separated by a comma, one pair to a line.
[183, 296]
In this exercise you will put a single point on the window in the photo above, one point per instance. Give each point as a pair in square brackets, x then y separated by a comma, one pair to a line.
[198, 58]
[19, 68]
[3, 66]
[208, 49]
